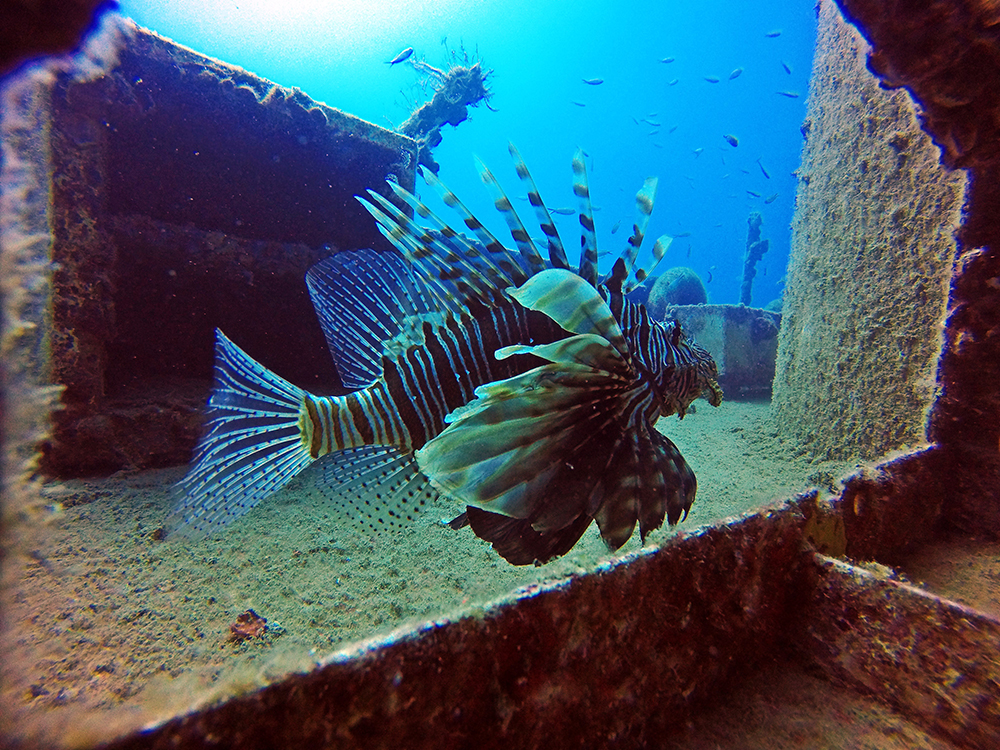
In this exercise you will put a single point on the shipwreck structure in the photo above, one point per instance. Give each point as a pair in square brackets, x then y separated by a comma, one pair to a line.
[632, 651]
[455, 90]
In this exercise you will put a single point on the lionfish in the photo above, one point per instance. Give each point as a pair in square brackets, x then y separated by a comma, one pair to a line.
[521, 388]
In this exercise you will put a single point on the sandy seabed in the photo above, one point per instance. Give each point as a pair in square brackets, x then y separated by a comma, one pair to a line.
[112, 628]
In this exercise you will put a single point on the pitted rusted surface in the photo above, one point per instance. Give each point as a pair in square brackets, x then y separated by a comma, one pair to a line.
[932, 659]
[947, 55]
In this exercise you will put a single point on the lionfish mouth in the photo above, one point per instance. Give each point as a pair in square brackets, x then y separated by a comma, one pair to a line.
[712, 392]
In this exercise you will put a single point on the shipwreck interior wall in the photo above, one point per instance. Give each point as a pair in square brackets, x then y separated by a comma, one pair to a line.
[184, 193]
[947, 56]
[871, 262]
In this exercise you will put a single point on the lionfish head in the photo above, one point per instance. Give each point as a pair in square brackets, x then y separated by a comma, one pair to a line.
[707, 377]
[692, 375]
[705, 383]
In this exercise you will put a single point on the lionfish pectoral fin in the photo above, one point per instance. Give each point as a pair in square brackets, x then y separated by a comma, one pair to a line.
[502, 449]
[532, 448]
[516, 541]
[572, 303]
[651, 481]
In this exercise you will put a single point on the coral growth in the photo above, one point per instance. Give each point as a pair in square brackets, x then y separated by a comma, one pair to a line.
[756, 247]
[455, 90]
[248, 625]
[678, 286]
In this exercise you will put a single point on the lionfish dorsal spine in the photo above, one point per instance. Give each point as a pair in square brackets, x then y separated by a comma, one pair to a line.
[644, 200]
[557, 253]
[588, 239]
[492, 244]
[518, 233]
[448, 256]
[396, 227]
[660, 248]
[497, 273]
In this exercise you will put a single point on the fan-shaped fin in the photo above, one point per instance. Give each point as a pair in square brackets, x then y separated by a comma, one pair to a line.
[518, 543]
[652, 481]
[362, 298]
[572, 303]
[377, 488]
[508, 443]
[252, 447]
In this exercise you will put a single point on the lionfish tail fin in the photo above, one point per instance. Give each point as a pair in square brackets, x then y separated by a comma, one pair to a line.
[253, 444]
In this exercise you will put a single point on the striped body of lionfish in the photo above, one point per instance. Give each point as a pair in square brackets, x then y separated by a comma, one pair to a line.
[523, 389]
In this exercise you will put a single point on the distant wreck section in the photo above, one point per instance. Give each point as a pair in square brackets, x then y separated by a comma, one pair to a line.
[756, 247]
[455, 90]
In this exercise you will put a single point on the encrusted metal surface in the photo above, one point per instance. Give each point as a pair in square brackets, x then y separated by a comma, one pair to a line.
[946, 54]
[184, 194]
[933, 659]
[616, 657]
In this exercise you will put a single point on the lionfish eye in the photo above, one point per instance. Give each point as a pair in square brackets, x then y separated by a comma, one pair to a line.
[675, 337]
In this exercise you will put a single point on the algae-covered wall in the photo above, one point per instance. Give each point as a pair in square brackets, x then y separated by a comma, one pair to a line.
[179, 194]
[947, 55]
[872, 252]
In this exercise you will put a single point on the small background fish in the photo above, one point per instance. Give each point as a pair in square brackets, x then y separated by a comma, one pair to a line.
[404, 55]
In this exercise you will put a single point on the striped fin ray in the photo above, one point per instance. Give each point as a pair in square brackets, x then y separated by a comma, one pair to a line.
[660, 248]
[253, 445]
[362, 299]
[555, 426]
[574, 304]
[588, 240]
[511, 263]
[519, 437]
[653, 481]
[644, 200]
[529, 252]
[557, 254]
[478, 261]
[377, 487]
[433, 257]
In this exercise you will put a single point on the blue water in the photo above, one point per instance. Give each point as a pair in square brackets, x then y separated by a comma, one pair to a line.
[540, 51]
